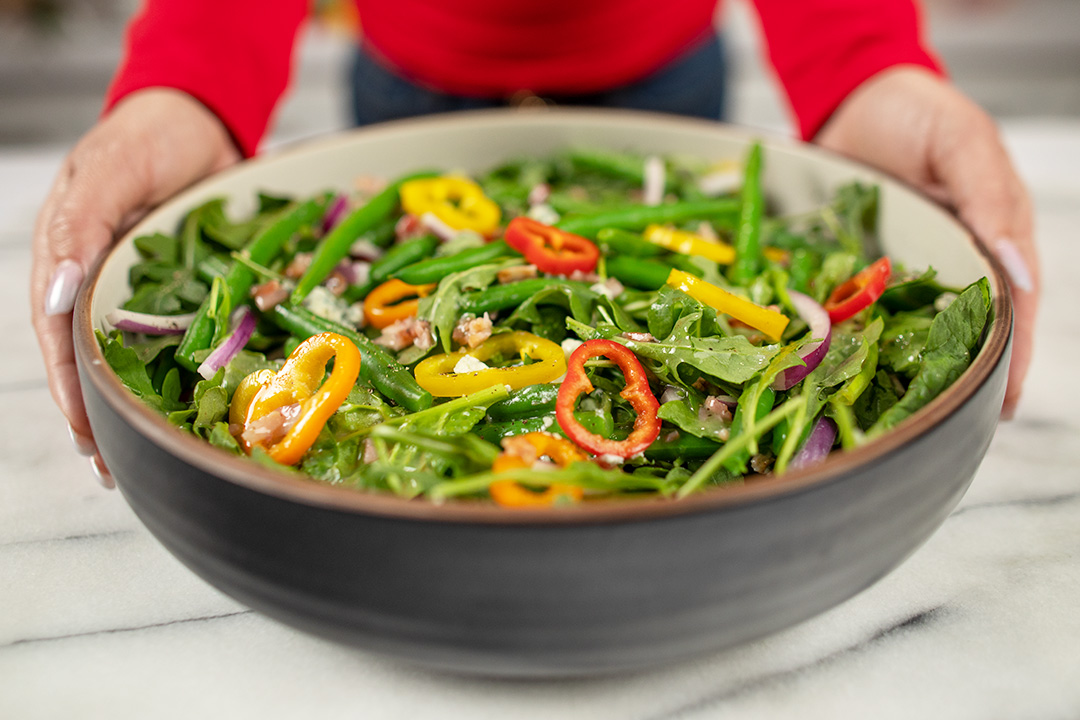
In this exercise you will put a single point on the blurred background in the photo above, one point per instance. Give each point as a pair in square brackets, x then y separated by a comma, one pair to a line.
[1018, 58]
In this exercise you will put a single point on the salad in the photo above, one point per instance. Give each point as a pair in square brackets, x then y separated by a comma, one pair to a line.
[557, 330]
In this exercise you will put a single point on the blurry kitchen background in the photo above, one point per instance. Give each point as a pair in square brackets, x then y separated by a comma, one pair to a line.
[1016, 57]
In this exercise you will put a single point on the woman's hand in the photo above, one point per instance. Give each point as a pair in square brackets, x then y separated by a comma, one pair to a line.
[914, 125]
[153, 144]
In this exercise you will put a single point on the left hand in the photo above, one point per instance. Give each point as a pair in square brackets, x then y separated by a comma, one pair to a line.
[916, 126]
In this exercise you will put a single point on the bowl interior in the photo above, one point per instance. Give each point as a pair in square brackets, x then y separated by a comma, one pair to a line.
[797, 178]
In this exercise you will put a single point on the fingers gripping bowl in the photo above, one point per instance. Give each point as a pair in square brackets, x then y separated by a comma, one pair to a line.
[551, 591]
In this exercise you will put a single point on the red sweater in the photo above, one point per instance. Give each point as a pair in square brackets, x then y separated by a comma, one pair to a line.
[235, 56]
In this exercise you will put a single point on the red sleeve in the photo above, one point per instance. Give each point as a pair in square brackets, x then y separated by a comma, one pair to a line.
[823, 50]
[233, 56]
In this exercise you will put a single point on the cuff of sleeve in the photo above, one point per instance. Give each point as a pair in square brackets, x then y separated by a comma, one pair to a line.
[815, 103]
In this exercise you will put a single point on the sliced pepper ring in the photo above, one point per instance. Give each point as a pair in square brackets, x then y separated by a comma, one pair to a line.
[519, 453]
[550, 249]
[768, 321]
[436, 374]
[299, 382]
[379, 310]
[860, 292]
[637, 393]
[457, 201]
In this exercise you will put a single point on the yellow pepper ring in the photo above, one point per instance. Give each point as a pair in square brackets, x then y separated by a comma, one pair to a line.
[300, 381]
[436, 374]
[688, 243]
[457, 201]
[767, 321]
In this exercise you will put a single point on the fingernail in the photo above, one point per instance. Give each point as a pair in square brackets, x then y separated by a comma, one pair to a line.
[83, 445]
[1013, 260]
[102, 473]
[64, 286]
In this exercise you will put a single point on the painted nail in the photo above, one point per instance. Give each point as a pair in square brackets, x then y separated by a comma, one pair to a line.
[64, 286]
[102, 473]
[1013, 260]
[83, 445]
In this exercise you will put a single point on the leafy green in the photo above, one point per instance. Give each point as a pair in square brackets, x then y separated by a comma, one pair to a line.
[950, 346]
[443, 307]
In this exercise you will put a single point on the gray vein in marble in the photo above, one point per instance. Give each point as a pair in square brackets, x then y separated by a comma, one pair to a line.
[84, 537]
[114, 631]
[917, 621]
[1034, 502]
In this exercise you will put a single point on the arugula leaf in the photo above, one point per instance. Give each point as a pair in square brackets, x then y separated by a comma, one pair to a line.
[729, 359]
[686, 413]
[443, 307]
[950, 346]
[129, 368]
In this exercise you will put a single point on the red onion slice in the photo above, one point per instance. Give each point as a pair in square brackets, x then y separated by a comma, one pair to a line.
[147, 324]
[818, 445]
[233, 343]
[335, 213]
[811, 353]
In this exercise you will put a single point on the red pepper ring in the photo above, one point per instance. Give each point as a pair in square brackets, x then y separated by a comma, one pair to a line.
[637, 393]
[860, 292]
[550, 249]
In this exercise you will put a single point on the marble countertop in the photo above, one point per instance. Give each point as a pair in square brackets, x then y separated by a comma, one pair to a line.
[97, 620]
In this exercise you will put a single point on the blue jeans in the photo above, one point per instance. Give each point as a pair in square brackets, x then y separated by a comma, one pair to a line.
[692, 84]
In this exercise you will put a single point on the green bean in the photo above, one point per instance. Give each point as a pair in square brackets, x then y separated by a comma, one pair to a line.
[262, 249]
[526, 402]
[335, 246]
[748, 259]
[496, 431]
[377, 366]
[637, 217]
[621, 166]
[638, 272]
[433, 270]
[503, 297]
[623, 242]
[396, 258]
[685, 446]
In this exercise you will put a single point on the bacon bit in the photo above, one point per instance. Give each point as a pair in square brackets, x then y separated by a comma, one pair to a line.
[408, 227]
[707, 231]
[642, 337]
[269, 295]
[404, 333]
[365, 250]
[761, 463]
[368, 185]
[589, 277]
[539, 194]
[714, 407]
[299, 265]
[336, 283]
[271, 427]
[520, 447]
[515, 273]
[610, 288]
[471, 330]
[370, 453]
[671, 436]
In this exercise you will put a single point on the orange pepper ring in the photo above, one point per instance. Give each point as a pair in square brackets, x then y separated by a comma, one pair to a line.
[379, 310]
[509, 493]
[300, 380]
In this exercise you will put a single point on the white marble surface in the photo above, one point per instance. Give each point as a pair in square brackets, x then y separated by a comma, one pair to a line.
[97, 620]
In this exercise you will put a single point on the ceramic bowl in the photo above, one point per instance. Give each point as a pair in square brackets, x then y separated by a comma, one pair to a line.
[597, 588]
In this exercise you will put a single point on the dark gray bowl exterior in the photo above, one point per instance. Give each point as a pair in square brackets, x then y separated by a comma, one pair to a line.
[555, 597]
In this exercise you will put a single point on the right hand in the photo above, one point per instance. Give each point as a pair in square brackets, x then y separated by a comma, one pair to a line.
[154, 143]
